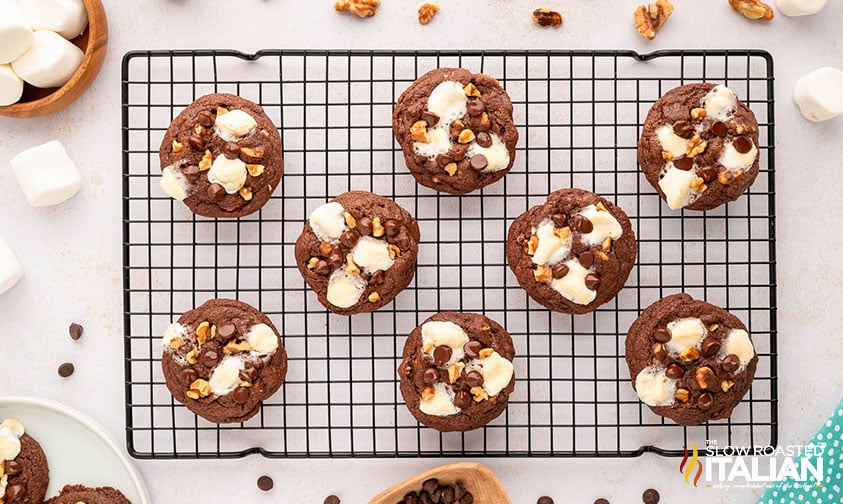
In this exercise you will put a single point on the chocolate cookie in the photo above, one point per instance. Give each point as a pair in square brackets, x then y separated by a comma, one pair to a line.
[221, 156]
[223, 359]
[24, 475]
[74, 494]
[358, 251]
[457, 372]
[456, 130]
[573, 253]
[698, 147]
[689, 360]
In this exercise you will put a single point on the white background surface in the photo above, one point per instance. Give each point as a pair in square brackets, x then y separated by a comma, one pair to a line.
[72, 253]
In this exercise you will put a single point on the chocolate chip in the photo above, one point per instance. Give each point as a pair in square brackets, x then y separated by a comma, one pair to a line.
[462, 399]
[582, 224]
[430, 376]
[335, 260]
[684, 129]
[430, 118]
[704, 402]
[466, 499]
[210, 358]
[742, 145]
[456, 128]
[411, 498]
[586, 259]
[448, 494]
[66, 369]
[248, 374]
[559, 220]
[216, 192]
[601, 501]
[391, 228]
[188, 375]
[731, 363]
[206, 119]
[331, 499]
[472, 348]
[710, 347]
[683, 163]
[376, 278]
[475, 107]
[719, 128]
[659, 352]
[483, 139]
[12, 467]
[231, 150]
[444, 160]
[459, 490]
[197, 142]
[76, 331]
[364, 226]
[265, 483]
[15, 492]
[240, 395]
[479, 162]
[592, 281]
[544, 499]
[349, 239]
[227, 331]
[708, 173]
[430, 485]
[191, 173]
[559, 270]
[442, 354]
[474, 378]
[651, 496]
[662, 335]
[675, 371]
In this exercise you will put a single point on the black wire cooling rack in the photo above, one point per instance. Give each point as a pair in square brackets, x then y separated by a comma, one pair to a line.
[579, 115]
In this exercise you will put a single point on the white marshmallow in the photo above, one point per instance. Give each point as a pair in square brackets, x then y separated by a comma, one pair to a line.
[68, 18]
[50, 62]
[15, 34]
[262, 339]
[10, 268]
[372, 254]
[46, 174]
[819, 94]
[11, 86]
[800, 7]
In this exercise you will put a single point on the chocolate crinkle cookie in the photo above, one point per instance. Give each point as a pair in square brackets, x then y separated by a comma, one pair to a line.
[699, 146]
[221, 156]
[74, 494]
[223, 359]
[358, 251]
[456, 130]
[24, 474]
[689, 360]
[573, 253]
[457, 372]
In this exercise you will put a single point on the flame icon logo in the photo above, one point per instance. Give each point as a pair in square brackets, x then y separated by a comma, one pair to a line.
[694, 461]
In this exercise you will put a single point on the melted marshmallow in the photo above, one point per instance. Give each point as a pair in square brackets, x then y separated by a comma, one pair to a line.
[235, 125]
[551, 248]
[654, 388]
[572, 286]
[441, 403]
[229, 173]
[684, 333]
[437, 333]
[671, 142]
[344, 290]
[733, 160]
[738, 343]
[328, 221]
[372, 254]
[605, 226]
[676, 186]
[719, 103]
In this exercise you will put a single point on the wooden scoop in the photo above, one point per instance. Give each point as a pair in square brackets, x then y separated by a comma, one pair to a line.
[477, 479]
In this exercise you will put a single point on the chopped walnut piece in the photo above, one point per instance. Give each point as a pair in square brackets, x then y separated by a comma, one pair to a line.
[427, 11]
[650, 18]
[546, 17]
[362, 8]
[753, 9]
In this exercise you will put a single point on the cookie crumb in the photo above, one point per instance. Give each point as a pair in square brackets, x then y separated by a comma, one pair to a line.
[426, 12]
[362, 8]
[545, 17]
[753, 9]
[650, 18]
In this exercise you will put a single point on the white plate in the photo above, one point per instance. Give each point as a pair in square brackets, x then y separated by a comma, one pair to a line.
[79, 451]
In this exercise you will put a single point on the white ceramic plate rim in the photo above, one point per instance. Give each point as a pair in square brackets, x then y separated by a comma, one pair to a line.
[93, 426]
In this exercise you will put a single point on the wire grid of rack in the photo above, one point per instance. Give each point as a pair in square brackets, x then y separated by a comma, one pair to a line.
[579, 116]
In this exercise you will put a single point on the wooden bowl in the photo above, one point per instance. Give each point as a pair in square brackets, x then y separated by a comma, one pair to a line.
[477, 478]
[93, 42]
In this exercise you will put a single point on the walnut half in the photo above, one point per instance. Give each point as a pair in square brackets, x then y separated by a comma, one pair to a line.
[650, 18]
[753, 9]
[362, 8]
[426, 12]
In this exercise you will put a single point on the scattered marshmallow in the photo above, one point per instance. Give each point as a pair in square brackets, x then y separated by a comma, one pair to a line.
[10, 268]
[819, 94]
[49, 63]
[46, 174]
[800, 7]
[11, 86]
[68, 18]
[15, 34]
